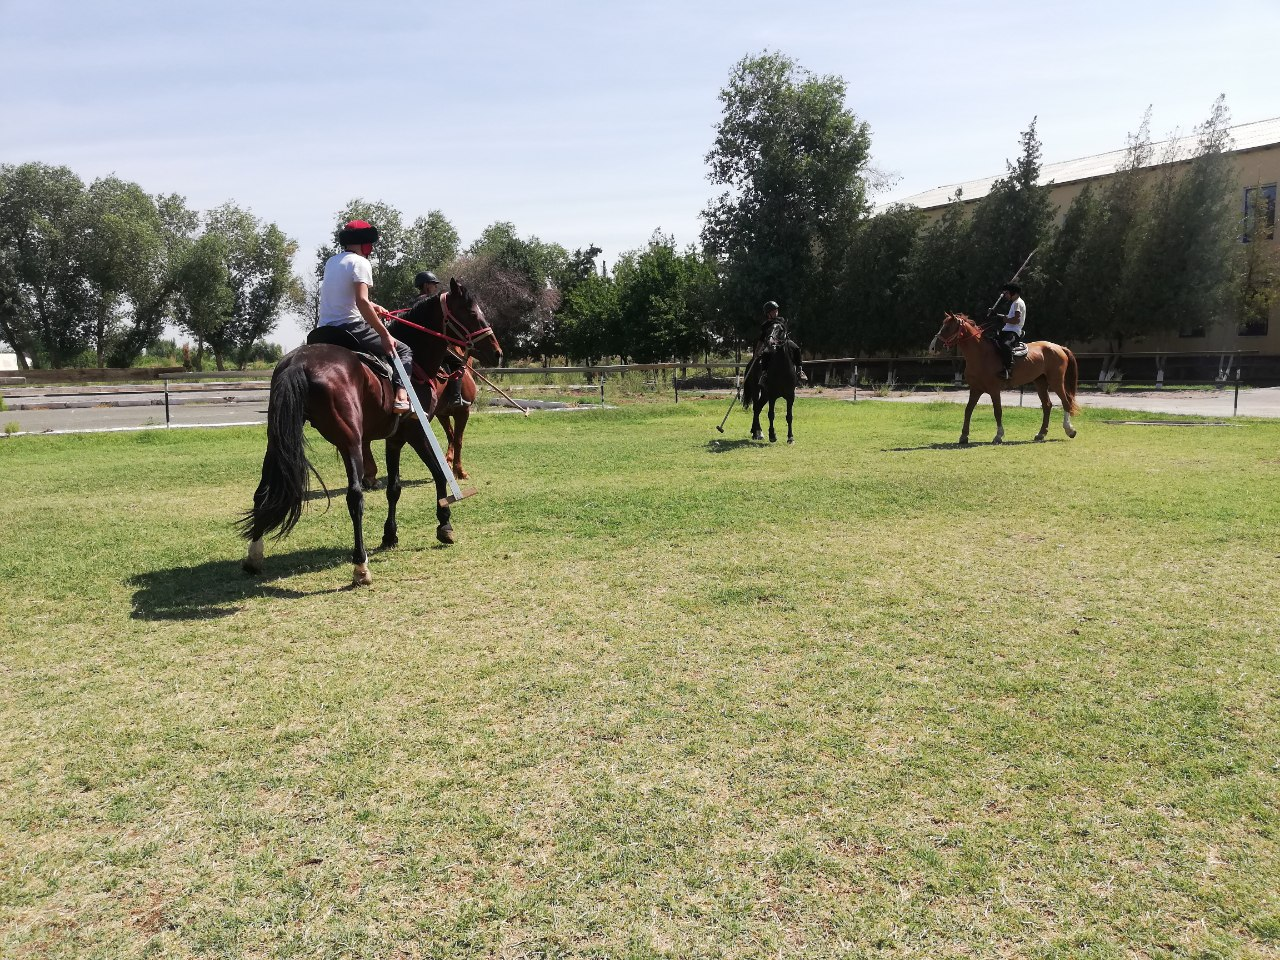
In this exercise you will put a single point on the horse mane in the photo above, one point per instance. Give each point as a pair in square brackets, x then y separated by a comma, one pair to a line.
[967, 325]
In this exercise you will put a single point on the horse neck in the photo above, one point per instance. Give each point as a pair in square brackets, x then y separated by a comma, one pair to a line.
[969, 346]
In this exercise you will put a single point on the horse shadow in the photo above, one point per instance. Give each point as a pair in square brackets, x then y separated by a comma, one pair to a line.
[971, 445]
[725, 446]
[219, 588]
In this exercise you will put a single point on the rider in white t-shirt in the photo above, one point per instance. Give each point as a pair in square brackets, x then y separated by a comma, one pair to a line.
[1015, 318]
[345, 303]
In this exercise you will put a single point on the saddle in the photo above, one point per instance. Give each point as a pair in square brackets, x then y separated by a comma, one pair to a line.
[337, 337]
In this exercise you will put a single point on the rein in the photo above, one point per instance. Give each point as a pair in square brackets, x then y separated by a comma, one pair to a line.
[451, 324]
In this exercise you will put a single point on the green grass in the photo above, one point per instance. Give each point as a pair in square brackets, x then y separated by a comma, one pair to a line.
[672, 694]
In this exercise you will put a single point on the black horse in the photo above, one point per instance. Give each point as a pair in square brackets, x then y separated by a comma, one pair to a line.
[771, 376]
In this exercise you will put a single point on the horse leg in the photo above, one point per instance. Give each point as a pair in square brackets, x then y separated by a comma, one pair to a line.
[354, 462]
[756, 433]
[791, 397]
[455, 441]
[370, 478]
[773, 434]
[390, 531]
[968, 413]
[995, 406]
[1046, 407]
[444, 529]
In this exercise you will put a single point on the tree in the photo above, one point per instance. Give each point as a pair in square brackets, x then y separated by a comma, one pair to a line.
[870, 314]
[1069, 298]
[590, 321]
[47, 309]
[1182, 273]
[662, 297]
[1012, 220]
[936, 281]
[234, 283]
[792, 160]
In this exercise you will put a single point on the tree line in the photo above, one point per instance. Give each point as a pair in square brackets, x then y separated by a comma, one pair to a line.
[91, 273]
[96, 271]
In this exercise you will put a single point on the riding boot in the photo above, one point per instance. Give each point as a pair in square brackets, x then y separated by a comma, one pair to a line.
[453, 394]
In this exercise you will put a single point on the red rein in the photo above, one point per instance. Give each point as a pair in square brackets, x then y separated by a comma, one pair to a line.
[967, 329]
[449, 321]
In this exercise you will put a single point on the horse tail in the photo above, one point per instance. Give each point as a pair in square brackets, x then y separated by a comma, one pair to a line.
[750, 385]
[1070, 381]
[285, 467]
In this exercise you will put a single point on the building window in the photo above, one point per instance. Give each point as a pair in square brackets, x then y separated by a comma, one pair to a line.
[1189, 332]
[1259, 205]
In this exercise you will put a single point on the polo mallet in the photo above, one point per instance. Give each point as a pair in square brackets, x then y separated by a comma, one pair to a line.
[1011, 280]
[734, 402]
[456, 493]
[524, 410]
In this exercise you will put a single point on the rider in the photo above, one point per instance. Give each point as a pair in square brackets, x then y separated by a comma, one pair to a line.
[1014, 320]
[428, 285]
[345, 303]
[772, 320]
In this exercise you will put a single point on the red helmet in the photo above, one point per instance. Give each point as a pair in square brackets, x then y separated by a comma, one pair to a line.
[358, 233]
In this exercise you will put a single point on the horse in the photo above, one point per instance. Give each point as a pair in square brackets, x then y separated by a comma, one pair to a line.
[349, 405]
[770, 377]
[454, 420]
[1048, 365]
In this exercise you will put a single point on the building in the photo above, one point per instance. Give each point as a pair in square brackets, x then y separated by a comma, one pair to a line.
[1257, 157]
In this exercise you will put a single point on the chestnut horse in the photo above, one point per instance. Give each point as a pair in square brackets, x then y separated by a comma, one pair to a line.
[350, 405]
[1047, 365]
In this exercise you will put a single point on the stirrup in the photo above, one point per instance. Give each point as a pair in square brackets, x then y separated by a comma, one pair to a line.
[402, 407]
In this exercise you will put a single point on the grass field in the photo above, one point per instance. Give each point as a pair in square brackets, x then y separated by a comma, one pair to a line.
[871, 695]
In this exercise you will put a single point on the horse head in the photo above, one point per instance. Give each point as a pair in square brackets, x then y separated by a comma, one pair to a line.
[455, 317]
[955, 328]
[461, 304]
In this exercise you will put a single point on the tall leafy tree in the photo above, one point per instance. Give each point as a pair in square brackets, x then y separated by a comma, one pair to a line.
[871, 312]
[1182, 273]
[204, 299]
[662, 296]
[792, 160]
[41, 215]
[935, 277]
[590, 323]
[1012, 220]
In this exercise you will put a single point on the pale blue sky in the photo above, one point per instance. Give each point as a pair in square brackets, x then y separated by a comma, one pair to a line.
[582, 122]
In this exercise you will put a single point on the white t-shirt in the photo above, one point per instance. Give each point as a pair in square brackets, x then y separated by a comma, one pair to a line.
[342, 272]
[1016, 317]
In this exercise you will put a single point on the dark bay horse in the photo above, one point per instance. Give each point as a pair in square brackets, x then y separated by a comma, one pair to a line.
[1047, 365]
[771, 377]
[349, 406]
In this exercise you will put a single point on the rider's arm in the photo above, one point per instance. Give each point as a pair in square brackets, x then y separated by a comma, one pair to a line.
[372, 314]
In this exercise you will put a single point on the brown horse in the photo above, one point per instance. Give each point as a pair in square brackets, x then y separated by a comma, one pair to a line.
[1047, 365]
[453, 418]
[350, 405]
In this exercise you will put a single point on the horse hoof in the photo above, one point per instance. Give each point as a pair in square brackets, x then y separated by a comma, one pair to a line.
[791, 440]
[757, 435]
[444, 533]
[370, 485]
[249, 567]
[252, 563]
[1040, 438]
[963, 441]
[996, 440]
[773, 438]
[1071, 434]
[389, 543]
[360, 576]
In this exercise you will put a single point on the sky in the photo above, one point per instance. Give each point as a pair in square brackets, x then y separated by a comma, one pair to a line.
[583, 123]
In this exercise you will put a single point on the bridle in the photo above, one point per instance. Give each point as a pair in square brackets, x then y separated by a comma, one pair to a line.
[965, 330]
[454, 331]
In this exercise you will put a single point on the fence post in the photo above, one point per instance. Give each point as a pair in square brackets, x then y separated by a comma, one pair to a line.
[602, 390]
[1235, 405]
[166, 404]
[675, 383]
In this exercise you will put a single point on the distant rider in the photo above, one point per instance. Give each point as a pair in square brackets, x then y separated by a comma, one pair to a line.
[345, 303]
[1015, 318]
[767, 335]
[428, 285]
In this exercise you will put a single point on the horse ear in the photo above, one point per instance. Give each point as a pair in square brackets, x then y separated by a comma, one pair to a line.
[454, 288]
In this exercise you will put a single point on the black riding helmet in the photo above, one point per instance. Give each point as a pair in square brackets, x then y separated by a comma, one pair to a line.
[423, 277]
[771, 305]
[1014, 288]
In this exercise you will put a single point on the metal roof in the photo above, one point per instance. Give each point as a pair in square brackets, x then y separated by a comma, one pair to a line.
[1246, 136]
